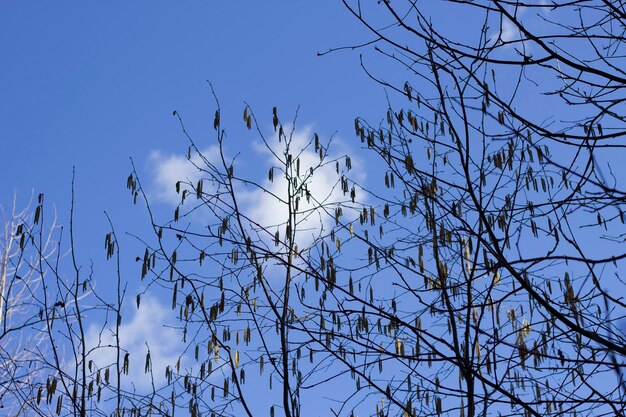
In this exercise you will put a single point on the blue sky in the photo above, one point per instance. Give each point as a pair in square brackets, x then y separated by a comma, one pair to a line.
[92, 84]
[89, 85]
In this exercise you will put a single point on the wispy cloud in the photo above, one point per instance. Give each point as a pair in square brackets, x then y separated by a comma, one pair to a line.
[509, 31]
[145, 329]
[265, 206]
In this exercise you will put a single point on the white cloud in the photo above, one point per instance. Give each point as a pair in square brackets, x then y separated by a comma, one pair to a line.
[146, 328]
[166, 170]
[510, 32]
[264, 206]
